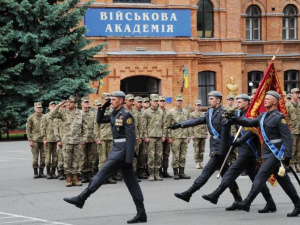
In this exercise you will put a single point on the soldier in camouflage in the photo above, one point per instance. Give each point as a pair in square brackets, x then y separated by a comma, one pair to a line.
[146, 103]
[179, 138]
[60, 161]
[293, 109]
[73, 125]
[88, 146]
[33, 131]
[97, 105]
[50, 142]
[104, 140]
[154, 135]
[129, 100]
[199, 134]
[166, 146]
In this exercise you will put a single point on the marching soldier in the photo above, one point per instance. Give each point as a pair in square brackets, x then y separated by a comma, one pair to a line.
[178, 139]
[199, 134]
[50, 142]
[277, 148]
[120, 158]
[293, 109]
[88, 142]
[104, 139]
[129, 99]
[248, 146]
[33, 131]
[166, 146]
[73, 128]
[154, 135]
[219, 143]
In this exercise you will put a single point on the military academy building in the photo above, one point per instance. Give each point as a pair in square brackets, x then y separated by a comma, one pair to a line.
[220, 45]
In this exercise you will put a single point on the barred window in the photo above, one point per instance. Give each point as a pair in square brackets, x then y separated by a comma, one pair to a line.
[205, 20]
[206, 84]
[253, 23]
[291, 80]
[254, 78]
[289, 23]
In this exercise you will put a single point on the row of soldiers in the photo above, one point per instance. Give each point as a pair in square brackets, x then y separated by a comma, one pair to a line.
[70, 140]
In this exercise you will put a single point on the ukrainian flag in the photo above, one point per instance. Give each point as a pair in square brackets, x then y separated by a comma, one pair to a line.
[185, 76]
[101, 83]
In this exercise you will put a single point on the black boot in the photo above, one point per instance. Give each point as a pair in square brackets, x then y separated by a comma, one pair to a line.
[161, 172]
[270, 206]
[80, 199]
[35, 173]
[42, 175]
[296, 211]
[186, 195]
[165, 173]
[61, 175]
[245, 205]
[48, 173]
[85, 177]
[176, 175]
[237, 198]
[213, 197]
[54, 176]
[182, 175]
[141, 216]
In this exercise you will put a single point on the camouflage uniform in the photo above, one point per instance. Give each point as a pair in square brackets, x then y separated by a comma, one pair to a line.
[47, 132]
[155, 130]
[180, 143]
[73, 127]
[199, 133]
[33, 131]
[294, 121]
[60, 161]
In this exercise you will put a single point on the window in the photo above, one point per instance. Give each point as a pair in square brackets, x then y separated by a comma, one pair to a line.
[289, 23]
[205, 19]
[140, 85]
[254, 77]
[291, 80]
[253, 23]
[206, 84]
[132, 1]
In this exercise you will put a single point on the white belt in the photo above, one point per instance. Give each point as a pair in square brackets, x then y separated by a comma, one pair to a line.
[275, 141]
[120, 140]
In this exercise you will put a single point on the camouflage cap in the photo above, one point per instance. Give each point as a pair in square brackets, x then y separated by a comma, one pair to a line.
[119, 94]
[215, 94]
[129, 97]
[51, 103]
[162, 98]
[138, 99]
[198, 102]
[105, 96]
[97, 102]
[230, 96]
[295, 90]
[178, 98]
[146, 99]
[38, 104]
[289, 96]
[154, 97]
[274, 94]
[85, 99]
[243, 96]
[72, 98]
[253, 91]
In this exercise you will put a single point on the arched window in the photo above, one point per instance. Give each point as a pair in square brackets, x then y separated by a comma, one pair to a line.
[291, 80]
[205, 20]
[289, 23]
[253, 23]
[206, 84]
[254, 77]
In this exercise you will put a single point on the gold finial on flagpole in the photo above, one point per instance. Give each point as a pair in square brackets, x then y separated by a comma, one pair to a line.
[275, 54]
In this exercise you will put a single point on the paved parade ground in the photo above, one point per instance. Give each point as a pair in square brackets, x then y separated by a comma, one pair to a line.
[24, 200]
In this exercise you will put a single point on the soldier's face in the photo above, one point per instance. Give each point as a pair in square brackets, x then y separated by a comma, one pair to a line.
[85, 104]
[38, 109]
[230, 102]
[242, 104]
[213, 101]
[70, 104]
[52, 106]
[154, 104]
[270, 101]
[162, 103]
[129, 103]
[138, 104]
[198, 107]
[295, 96]
[116, 102]
[146, 104]
[179, 103]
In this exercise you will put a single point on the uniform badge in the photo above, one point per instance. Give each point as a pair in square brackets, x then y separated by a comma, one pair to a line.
[283, 121]
[129, 121]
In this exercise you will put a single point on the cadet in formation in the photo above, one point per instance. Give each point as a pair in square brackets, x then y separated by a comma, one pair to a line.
[219, 145]
[120, 158]
[248, 146]
[277, 148]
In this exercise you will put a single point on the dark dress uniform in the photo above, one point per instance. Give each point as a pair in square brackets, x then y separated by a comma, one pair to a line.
[120, 158]
[247, 153]
[218, 150]
[277, 131]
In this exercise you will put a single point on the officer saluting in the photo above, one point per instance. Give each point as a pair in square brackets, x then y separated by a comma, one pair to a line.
[219, 143]
[120, 158]
[277, 146]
